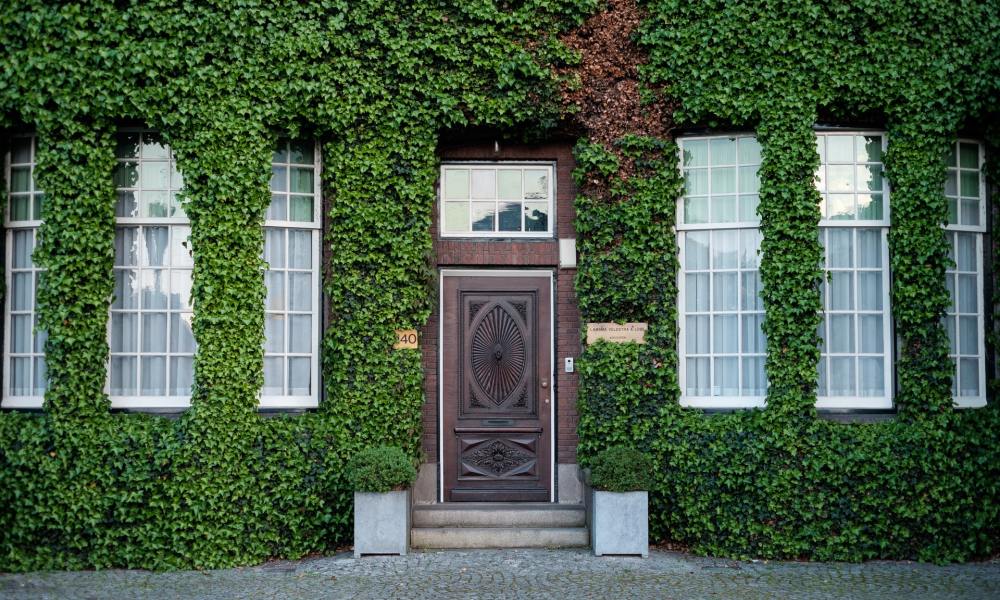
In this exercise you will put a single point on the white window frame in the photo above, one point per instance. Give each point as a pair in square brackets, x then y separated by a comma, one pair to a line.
[496, 234]
[681, 228]
[858, 401]
[7, 400]
[316, 229]
[952, 231]
[141, 224]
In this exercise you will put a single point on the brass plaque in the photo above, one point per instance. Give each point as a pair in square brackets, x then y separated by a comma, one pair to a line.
[617, 332]
[406, 339]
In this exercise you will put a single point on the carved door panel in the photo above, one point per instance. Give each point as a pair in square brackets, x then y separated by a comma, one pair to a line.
[496, 358]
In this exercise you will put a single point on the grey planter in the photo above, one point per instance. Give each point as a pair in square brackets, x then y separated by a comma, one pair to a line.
[381, 523]
[619, 523]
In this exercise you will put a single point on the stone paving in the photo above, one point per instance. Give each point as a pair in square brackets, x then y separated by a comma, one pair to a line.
[511, 574]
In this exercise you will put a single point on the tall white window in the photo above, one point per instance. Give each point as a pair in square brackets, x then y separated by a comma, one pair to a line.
[24, 346]
[721, 344]
[152, 346]
[855, 368]
[497, 200]
[292, 307]
[965, 188]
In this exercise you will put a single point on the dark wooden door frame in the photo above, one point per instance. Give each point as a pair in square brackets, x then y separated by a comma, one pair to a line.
[549, 277]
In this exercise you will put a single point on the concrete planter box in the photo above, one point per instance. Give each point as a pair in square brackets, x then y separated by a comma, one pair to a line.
[619, 523]
[381, 523]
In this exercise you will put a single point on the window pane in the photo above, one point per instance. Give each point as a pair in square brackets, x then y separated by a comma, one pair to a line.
[123, 373]
[841, 376]
[509, 184]
[300, 293]
[870, 290]
[536, 184]
[724, 180]
[155, 246]
[301, 180]
[124, 332]
[299, 374]
[274, 333]
[724, 209]
[20, 326]
[696, 250]
[696, 210]
[754, 381]
[723, 151]
[484, 184]
[696, 182]
[870, 248]
[536, 216]
[456, 216]
[299, 249]
[300, 334]
[724, 291]
[695, 153]
[154, 332]
[726, 334]
[181, 336]
[841, 334]
[968, 377]
[749, 151]
[22, 286]
[968, 335]
[840, 148]
[872, 377]
[154, 376]
[301, 208]
[482, 216]
[753, 334]
[510, 216]
[968, 298]
[968, 156]
[697, 376]
[725, 249]
[840, 249]
[696, 292]
[727, 377]
[275, 284]
[301, 151]
[841, 290]
[456, 184]
[870, 332]
[274, 376]
[869, 148]
[696, 334]
[181, 375]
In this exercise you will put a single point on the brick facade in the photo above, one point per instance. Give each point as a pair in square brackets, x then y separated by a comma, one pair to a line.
[490, 253]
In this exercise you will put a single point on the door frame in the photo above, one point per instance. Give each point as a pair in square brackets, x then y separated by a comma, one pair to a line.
[542, 273]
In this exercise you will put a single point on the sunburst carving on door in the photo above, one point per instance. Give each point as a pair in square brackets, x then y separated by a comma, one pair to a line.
[497, 354]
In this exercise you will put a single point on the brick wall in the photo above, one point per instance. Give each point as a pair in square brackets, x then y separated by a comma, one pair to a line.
[456, 253]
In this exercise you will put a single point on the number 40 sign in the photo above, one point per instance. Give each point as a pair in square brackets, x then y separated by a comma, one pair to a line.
[406, 339]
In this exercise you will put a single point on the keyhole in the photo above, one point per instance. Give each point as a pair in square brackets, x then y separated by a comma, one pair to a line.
[497, 351]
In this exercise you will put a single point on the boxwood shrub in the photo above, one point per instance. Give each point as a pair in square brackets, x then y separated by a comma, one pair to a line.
[380, 469]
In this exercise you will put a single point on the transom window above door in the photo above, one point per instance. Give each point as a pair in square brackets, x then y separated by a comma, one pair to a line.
[497, 200]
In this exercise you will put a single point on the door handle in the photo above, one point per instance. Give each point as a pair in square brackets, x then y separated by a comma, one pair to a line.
[545, 384]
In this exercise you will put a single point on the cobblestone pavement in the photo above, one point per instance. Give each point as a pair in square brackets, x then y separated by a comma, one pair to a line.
[507, 574]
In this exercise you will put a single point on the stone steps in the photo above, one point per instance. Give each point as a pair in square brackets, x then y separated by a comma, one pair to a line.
[498, 525]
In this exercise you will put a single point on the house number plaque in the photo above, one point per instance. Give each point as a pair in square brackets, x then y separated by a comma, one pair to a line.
[616, 332]
[406, 339]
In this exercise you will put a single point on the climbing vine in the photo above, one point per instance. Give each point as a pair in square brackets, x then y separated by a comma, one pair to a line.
[780, 482]
[374, 82]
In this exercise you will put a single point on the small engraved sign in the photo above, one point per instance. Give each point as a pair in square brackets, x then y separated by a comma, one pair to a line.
[406, 339]
[616, 332]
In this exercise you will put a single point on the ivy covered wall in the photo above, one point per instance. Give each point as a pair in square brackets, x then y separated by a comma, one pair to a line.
[81, 486]
[781, 482]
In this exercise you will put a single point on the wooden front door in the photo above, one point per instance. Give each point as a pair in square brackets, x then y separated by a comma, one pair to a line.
[497, 388]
